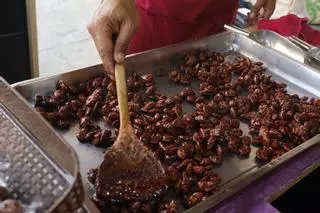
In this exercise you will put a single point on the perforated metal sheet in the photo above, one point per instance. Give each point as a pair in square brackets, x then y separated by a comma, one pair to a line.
[28, 153]
[29, 176]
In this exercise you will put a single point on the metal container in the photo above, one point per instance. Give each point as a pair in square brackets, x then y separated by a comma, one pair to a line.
[236, 173]
[36, 166]
[291, 46]
[312, 53]
[272, 40]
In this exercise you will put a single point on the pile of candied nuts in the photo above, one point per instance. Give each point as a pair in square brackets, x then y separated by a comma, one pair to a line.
[190, 144]
[8, 205]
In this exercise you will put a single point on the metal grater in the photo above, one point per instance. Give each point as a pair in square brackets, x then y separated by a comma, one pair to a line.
[27, 170]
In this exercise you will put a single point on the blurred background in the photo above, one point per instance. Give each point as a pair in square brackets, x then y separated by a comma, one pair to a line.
[47, 37]
[63, 40]
[64, 43]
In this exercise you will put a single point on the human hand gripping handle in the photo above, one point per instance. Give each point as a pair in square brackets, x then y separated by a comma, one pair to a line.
[113, 17]
[262, 9]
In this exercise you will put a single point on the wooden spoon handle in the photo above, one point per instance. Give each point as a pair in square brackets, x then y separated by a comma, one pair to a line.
[122, 95]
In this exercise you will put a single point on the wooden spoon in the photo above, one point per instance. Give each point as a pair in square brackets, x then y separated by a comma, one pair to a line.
[129, 171]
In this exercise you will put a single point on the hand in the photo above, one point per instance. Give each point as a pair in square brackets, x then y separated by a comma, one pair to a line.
[268, 7]
[118, 17]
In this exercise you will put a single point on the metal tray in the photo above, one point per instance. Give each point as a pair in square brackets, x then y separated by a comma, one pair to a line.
[312, 53]
[236, 173]
[274, 41]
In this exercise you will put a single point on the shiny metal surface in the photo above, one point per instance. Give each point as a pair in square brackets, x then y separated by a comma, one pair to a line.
[236, 173]
[272, 40]
[236, 29]
[312, 53]
[304, 45]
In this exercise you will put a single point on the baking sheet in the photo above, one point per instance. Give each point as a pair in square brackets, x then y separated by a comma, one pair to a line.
[236, 173]
[272, 40]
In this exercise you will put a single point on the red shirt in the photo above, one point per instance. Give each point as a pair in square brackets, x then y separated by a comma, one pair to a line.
[164, 22]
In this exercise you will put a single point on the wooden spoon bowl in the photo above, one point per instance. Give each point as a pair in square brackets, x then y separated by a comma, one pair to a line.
[129, 171]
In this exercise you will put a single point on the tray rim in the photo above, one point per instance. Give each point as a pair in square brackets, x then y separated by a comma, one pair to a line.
[192, 41]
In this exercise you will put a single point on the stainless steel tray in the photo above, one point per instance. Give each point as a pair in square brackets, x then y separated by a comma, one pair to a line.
[272, 40]
[312, 53]
[236, 173]
[292, 46]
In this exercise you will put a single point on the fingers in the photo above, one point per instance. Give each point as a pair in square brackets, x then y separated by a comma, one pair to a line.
[103, 41]
[255, 10]
[118, 17]
[269, 9]
[127, 31]
[254, 14]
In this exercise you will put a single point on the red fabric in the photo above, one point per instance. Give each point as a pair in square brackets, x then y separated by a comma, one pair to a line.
[292, 25]
[164, 22]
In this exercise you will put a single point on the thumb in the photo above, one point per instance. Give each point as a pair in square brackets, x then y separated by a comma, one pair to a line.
[125, 35]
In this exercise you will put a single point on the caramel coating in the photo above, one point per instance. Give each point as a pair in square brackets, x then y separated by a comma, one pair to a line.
[190, 145]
